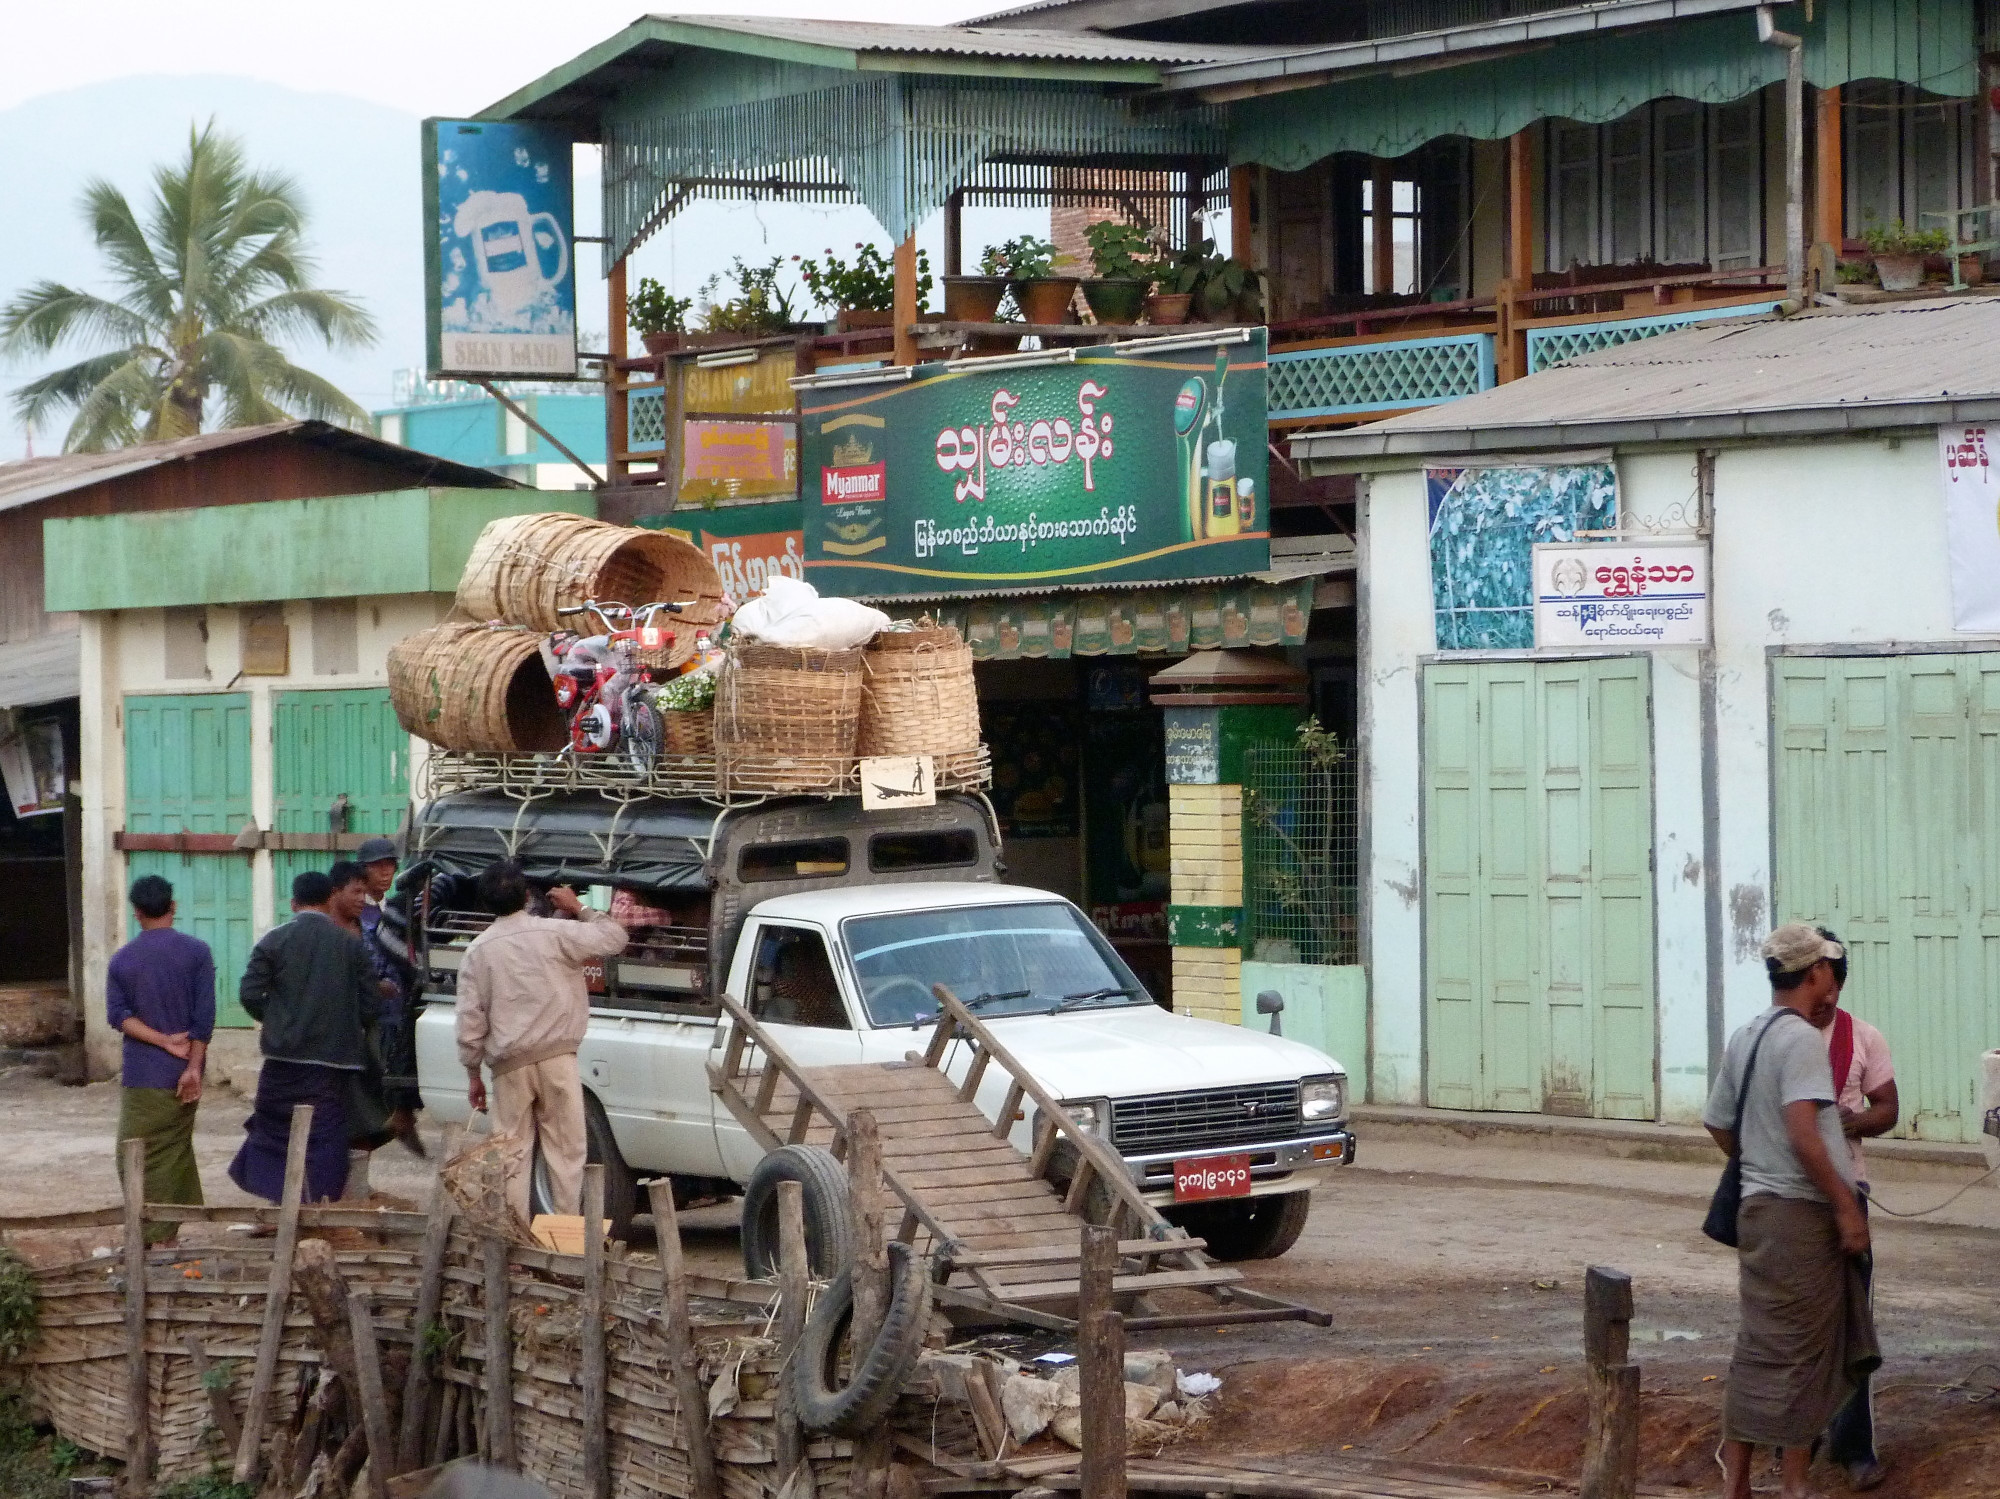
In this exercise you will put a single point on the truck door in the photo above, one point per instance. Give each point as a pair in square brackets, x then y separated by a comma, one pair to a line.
[796, 995]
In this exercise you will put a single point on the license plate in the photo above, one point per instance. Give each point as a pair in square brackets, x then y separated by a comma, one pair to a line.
[1212, 1176]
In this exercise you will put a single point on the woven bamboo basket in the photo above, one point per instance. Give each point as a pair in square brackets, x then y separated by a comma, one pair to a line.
[786, 720]
[475, 688]
[37, 1015]
[690, 732]
[917, 694]
[524, 568]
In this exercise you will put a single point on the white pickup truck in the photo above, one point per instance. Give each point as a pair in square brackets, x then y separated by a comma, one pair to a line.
[831, 927]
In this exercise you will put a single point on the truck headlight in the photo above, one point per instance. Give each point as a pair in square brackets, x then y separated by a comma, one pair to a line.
[1322, 1099]
[1092, 1114]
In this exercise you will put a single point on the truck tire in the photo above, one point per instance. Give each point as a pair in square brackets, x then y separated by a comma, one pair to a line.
[864, 1402]
[1261, 1228]
[829, 1232]
[621, 1187]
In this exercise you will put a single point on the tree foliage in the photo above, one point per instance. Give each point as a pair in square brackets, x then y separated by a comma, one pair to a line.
[210, 283]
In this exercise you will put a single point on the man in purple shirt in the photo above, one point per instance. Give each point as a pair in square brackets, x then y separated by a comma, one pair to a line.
[160, 993]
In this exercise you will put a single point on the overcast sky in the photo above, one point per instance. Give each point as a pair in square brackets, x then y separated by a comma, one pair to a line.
[420, 55]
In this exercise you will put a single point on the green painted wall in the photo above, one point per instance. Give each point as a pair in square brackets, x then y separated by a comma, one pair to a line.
[342, 546]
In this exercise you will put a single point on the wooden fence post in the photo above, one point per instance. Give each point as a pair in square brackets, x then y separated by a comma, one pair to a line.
[1101, 1365]
[421, 1383]
[592, 1377]
[1611, 1440]
[499, 1358]
[703, 1480]
[794, 1286]
[374, 1399]
[870, 1271]
[277, 1297]
[138, 1400]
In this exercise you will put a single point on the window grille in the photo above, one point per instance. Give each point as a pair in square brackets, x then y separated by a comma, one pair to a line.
[1301, 863]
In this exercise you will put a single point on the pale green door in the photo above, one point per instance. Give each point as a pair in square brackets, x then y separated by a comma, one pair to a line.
[1538, 888]
[326, 745]
[187, 770]
[1886, 794]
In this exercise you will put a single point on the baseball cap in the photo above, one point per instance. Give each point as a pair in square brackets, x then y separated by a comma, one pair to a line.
[1795, 947]
[375, 849]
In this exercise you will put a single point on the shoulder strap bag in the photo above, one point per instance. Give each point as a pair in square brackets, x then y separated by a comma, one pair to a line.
[1720, 1224]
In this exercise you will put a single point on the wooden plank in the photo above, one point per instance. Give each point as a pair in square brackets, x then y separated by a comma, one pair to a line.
[1029, 1256]
[593, 1365]
[1152, 1280]
[869, 1272]
[704, 1481]
[941, 1198]
[877, 1083]
[971, 1176]
[1009, 1107]
[374, 1400]
[138, 1397]
[499, 1357]
[949, 1155]
[277, 1297]
[220, 1411]
[420, 1387]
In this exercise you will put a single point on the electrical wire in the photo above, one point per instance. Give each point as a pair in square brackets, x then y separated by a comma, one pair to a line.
[1876, 1205]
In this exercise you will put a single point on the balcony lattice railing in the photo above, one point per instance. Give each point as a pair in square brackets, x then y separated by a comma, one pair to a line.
[1351, 379]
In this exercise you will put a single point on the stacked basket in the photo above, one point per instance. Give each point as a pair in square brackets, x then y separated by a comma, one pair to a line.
[477, 688]
[918, 697]
[786, 720]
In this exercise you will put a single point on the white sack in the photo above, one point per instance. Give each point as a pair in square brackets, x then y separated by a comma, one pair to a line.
[791, 613]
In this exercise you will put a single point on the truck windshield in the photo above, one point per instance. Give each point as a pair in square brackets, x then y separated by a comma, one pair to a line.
[1001, 960]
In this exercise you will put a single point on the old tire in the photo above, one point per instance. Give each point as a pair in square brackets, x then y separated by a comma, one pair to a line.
[621, 1187]
[864, 1402]
[1259, 1228]
[829, 1231]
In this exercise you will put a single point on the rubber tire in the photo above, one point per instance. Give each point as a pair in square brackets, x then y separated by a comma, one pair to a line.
[643, 735]
[621, 1187]
[829, 1229]
[1260, 1229]
[870, 1394]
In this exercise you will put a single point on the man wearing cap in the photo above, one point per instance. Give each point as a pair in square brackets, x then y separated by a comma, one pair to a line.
[1806, 1334]
[396, 1029]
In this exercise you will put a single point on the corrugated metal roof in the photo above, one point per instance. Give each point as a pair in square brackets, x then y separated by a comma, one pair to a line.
[1839, 369]
[44, 669]
[969, 41]
[28, 480]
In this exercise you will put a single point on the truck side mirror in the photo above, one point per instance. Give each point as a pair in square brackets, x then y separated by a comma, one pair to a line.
[1271, 1002]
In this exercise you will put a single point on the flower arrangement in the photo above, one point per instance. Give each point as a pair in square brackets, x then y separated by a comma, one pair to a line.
[691, 692]
[759, 306]
[1023, 258]
[868, 284]
[652, 310]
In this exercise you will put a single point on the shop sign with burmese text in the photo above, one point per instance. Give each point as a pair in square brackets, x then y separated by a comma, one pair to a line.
[1612, 594]
[499, 282]
[1118, 465]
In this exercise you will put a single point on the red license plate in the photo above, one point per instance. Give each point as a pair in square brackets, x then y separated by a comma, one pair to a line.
[1212, 1176]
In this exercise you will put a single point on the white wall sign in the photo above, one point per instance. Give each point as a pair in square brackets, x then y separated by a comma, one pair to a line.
[1616, 594]
[1972, 526]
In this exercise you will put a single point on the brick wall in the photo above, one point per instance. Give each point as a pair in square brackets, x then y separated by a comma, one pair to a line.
[1206, 869]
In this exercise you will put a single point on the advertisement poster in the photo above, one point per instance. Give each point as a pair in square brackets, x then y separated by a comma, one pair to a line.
[725, 460]
[1613, 594]
[1117, 465]
[1972, 526]
[31, 763]
[499, 275]
[745, 544]
[1485, 523]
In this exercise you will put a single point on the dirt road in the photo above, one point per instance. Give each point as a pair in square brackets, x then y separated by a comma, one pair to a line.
[1455, 1277]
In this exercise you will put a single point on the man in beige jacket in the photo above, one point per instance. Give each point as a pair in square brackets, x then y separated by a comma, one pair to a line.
[522, 1009]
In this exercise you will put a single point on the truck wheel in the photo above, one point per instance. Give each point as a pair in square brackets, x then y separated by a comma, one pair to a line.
[621, 1187]
[865, 1401]
[829, 1233]
[1260, 1229]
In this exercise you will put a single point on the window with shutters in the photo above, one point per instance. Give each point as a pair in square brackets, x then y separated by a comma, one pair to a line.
[1572, 231]
[1736, 185]
[1906, 154]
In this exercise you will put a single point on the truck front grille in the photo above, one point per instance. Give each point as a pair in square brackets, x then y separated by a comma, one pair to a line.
[1208, 1120]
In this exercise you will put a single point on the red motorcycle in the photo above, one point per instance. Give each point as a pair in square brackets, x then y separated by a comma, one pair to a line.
[601, 684]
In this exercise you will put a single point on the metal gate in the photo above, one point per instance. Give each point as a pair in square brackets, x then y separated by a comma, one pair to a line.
[1887, 787]
[1538, 887]
[329, 745]
[187, 770]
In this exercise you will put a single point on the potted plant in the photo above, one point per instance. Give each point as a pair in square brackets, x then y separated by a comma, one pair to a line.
[1030, 265]
[760, 305]
[1219, 286]
[1899, 252]
[658, 319]
[1125, 259]
[863, 294]
[976, 299]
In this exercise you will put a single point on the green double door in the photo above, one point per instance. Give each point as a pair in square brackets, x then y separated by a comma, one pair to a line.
[187, 770]
[1886, 821]
[327, 745]
[1538, 888]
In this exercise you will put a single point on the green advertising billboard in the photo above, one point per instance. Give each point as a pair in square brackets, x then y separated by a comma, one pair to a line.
[1128, 462]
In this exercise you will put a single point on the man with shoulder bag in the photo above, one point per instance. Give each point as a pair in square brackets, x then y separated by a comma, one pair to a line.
[1806, 1333]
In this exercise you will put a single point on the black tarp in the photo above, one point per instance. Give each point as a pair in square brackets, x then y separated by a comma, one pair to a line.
[579, 837]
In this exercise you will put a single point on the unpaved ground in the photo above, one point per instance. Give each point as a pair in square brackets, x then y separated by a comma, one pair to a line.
[1455, 1277]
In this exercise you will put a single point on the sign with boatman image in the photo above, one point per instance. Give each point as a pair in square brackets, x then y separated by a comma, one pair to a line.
[499, 282]
[1119, 463]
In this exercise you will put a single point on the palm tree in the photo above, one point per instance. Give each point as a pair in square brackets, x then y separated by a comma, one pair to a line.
[207, 285]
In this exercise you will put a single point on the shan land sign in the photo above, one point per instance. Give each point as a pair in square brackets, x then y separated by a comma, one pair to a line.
[1121, 464]
[499, 283]
[1612, 594]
